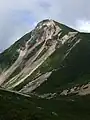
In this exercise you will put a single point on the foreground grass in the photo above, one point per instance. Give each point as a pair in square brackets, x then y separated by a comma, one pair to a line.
[14, 106]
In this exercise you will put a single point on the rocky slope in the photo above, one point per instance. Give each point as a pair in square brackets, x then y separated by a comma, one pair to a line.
[51, 58]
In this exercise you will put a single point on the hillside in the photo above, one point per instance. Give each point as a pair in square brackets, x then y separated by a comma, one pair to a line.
[51, 67]
[15, 106]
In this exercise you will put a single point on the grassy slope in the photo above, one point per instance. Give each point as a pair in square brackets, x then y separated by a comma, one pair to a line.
[14, 106]
[17, 107]
[76, 68]
[9, 56]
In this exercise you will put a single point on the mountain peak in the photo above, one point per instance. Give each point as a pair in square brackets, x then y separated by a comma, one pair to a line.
[34, 58]
[50, 69]
[45, 21]
[45, 39]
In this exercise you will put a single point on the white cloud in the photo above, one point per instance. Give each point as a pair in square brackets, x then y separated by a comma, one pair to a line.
[83, 25]
[19, 16]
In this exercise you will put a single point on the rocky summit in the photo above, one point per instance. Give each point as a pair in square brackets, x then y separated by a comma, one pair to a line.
[51, 67]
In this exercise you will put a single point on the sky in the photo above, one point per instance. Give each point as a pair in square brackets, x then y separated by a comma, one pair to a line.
[18, 17]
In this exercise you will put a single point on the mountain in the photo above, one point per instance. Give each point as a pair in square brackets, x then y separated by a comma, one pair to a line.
[51, 66]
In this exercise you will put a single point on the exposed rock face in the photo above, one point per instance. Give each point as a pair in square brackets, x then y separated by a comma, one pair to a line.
[45, 59]
[39, 47]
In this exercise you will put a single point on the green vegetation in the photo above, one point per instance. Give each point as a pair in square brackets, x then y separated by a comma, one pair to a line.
[9, 56]
[73, 70]
[14, 106]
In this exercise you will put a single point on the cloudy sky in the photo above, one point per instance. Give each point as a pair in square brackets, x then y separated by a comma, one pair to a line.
[20, 16]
